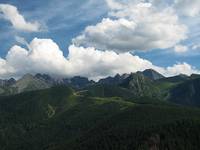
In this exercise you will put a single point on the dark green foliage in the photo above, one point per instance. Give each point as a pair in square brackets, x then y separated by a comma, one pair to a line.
[128, 112]
[176, 79]
[186, 93]
[60, 118]
[141, 86]
[143, 127]
[105, 90]
[37, 119]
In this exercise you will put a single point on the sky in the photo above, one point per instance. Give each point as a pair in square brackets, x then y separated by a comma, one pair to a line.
[99, 38]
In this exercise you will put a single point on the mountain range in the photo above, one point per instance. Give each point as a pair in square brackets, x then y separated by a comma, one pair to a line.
[149, 83]
[41, 81]
[136, 111]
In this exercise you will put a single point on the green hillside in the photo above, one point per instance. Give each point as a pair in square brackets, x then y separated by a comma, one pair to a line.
[186, 93]
[36, 119]
[143, 127]
[60, 118]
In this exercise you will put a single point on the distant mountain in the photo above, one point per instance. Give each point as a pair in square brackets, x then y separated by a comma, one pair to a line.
[149, 73]
[75, 82]
[127, 86]
[41, 81]
[140, 85]
[5, 86]
[176, 79]
[29, 83]
[130, 111]
[7, 82]
[152, 74]
[186, 93]
[46, 78]
[114, 80]
[195, 76]
[148, 83]
[80, 82]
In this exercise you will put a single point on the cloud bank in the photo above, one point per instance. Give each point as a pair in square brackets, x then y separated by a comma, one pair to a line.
[12, 14]
[189, 8]
[103, 49]
[134, 26]
[44, 56]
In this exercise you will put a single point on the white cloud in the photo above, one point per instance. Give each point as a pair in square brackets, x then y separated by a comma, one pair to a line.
[180, 49]
[22, 41]
[181, 68]
[196, 46]
[44, 56]
[93, 63]
[132, 25]
[189, 8]
[135, 27]
[121, 4]
[114, 4]
[11, 13]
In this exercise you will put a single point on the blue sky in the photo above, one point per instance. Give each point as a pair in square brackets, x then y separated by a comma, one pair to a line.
[62, 21]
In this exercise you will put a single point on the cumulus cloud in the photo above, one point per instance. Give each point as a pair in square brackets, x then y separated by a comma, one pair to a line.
[98, 64]
[181, 68]
[196, 46]
[22, 41]
[121, 4]
[135, 26]
[114, 4]
[189, 8]
[180, 49]
[103, 49]
[44, 56]
[12, 14]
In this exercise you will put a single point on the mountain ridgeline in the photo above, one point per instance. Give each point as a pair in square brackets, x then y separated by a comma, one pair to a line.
[137, 111]
[180, 89]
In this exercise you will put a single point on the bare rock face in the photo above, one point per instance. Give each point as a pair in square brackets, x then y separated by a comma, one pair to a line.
[140, 85]
[152, 74]
[114, 80]
[29, 83]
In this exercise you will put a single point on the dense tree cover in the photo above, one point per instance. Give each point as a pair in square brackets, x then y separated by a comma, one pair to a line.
[179, 135]
[60, 118]
[187, 93]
